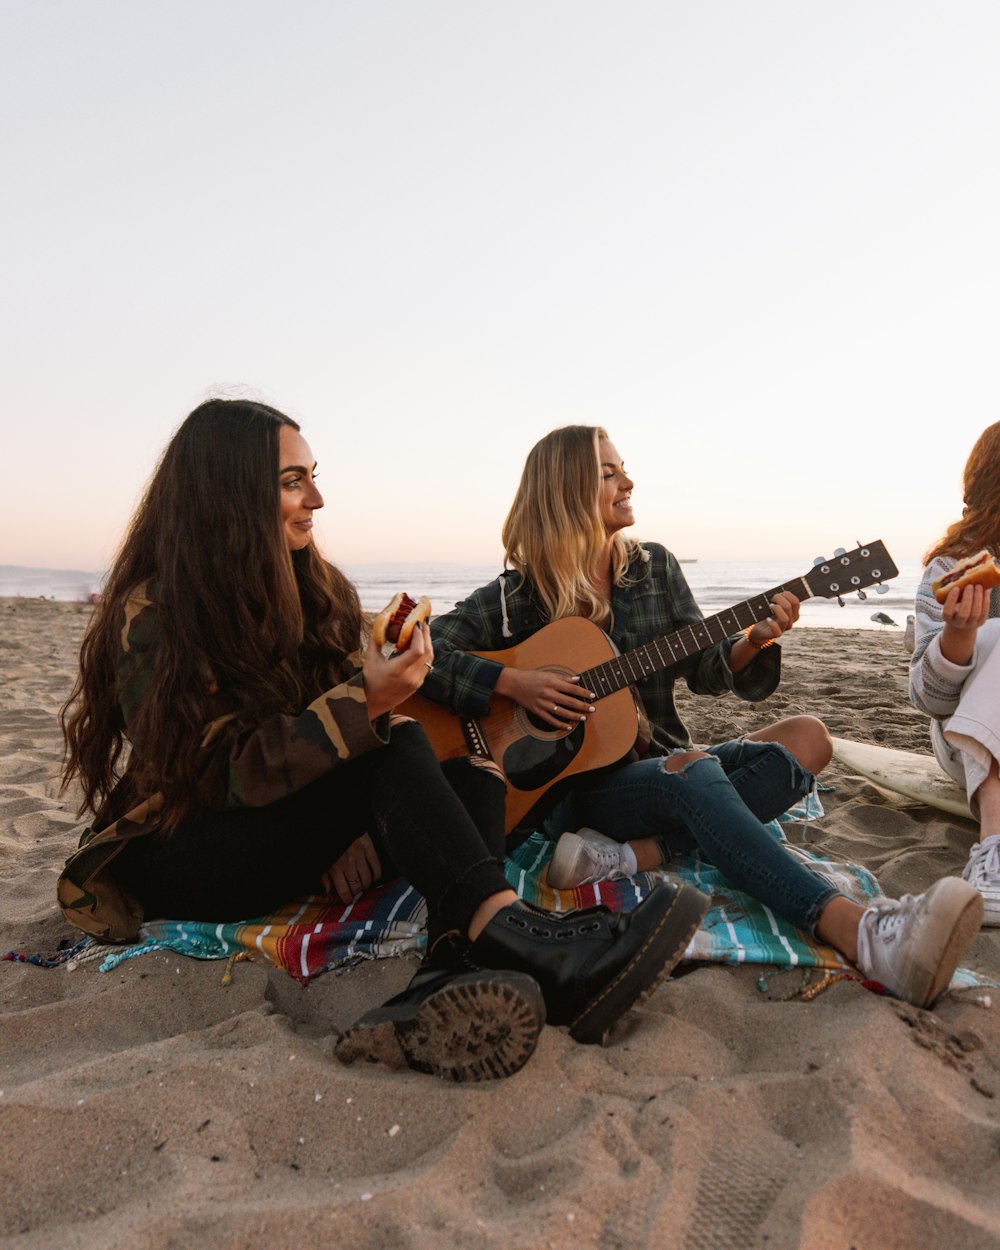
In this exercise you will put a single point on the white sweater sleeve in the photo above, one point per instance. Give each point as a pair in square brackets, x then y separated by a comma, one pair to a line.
[935, 683]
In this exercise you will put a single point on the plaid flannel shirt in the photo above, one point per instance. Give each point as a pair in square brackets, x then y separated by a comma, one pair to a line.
[656, 601]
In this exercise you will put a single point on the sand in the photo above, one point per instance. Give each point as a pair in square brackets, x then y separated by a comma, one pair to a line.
[151, 1107]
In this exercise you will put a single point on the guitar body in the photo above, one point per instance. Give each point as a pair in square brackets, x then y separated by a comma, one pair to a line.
[532, 755]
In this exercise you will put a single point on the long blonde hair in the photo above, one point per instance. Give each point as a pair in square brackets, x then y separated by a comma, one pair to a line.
[979, 525]
[554, 532]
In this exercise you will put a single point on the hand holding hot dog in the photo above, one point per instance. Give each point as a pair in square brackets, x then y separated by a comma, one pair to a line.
[389, 682]
[978, 570]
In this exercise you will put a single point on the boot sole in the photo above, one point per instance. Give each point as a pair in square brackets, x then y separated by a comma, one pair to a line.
[648, 968]
[959, 913]
[480, 1026]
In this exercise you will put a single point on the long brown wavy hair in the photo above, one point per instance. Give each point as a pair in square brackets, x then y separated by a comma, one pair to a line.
[554, 532]
[243, 620]
[979, 525]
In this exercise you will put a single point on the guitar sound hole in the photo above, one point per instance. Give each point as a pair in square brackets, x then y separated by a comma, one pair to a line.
[529, 763]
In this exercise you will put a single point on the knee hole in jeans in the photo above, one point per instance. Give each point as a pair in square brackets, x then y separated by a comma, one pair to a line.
[488, 766]
[681, 761]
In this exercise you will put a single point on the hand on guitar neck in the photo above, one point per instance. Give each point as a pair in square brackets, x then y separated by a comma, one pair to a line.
[785, 612]
[552, 698]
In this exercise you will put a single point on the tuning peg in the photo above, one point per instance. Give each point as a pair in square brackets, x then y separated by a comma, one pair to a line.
[840, 601]
[840, 552]
[862, 595]
[819, 560]
[881, 589]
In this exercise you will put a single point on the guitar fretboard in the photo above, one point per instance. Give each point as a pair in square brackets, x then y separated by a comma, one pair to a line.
[634, 666]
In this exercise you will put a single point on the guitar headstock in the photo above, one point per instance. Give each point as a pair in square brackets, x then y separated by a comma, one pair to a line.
[850, 571]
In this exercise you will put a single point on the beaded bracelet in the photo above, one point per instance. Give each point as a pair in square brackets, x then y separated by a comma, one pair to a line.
[758, 646]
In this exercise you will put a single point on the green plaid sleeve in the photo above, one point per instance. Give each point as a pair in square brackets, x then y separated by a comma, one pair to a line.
[460, 680]
[708, 672]
[657, 601]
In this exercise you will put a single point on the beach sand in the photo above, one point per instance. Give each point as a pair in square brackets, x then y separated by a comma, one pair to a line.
[152, 1107]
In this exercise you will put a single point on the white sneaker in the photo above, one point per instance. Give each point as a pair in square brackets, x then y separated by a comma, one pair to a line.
[983, 871]
[587, 856]
[912, 945]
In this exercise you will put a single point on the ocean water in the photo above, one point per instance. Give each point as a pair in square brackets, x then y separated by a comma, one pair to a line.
[716, 584]
[68, 585]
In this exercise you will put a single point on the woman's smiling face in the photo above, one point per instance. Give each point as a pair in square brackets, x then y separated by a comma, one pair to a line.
[299, 495]
[616, 489]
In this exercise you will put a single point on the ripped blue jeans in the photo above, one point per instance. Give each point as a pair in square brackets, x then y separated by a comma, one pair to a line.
[717, 806]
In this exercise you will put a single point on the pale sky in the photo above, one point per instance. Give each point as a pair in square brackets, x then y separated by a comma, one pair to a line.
[758, 240]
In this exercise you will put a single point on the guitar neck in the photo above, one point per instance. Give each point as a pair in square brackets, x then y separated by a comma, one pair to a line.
[633, 666]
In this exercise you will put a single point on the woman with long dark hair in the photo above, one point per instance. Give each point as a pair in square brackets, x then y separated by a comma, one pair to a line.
[955, 667]
[234, 735]
[568, 556]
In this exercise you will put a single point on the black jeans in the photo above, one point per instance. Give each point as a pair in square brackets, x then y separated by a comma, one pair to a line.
[441, 826]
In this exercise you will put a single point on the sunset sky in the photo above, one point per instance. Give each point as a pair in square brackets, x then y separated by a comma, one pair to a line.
[758, 240]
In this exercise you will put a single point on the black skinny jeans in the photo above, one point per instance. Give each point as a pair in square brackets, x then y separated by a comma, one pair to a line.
[440, 826]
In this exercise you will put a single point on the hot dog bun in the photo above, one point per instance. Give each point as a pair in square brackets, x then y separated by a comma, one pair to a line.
[380, 625]
[978, 570]
[420, 611]
[398, 619]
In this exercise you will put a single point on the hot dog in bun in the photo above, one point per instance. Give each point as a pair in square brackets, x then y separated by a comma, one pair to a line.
[398, 619]
[977, 570]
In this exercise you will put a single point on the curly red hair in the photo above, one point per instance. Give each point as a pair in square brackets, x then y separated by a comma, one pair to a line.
[979, 525]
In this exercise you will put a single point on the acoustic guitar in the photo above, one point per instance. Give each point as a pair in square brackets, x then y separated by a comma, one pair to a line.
[535, 757]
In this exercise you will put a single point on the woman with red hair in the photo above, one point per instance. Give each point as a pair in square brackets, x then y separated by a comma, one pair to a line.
[955, 668]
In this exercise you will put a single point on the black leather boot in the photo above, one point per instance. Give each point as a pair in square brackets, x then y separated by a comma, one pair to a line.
[593, 965]
[462, 1025]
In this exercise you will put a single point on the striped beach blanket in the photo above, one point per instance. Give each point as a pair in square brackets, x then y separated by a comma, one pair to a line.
[316, 935]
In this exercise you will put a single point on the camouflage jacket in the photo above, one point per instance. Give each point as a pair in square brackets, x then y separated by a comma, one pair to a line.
[243, 766]
[655, 600]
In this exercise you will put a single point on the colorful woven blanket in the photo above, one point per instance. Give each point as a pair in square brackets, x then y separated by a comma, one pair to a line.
[315, 935]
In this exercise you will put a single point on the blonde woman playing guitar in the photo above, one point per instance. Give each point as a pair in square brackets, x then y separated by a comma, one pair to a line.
[569, 558]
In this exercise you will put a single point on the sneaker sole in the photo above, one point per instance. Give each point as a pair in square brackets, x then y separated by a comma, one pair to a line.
[991, 903]
[648, 968]
[481, 1026]
[958, 909]
[990, 894]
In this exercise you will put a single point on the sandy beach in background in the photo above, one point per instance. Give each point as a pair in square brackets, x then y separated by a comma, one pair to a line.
[152, 1107]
